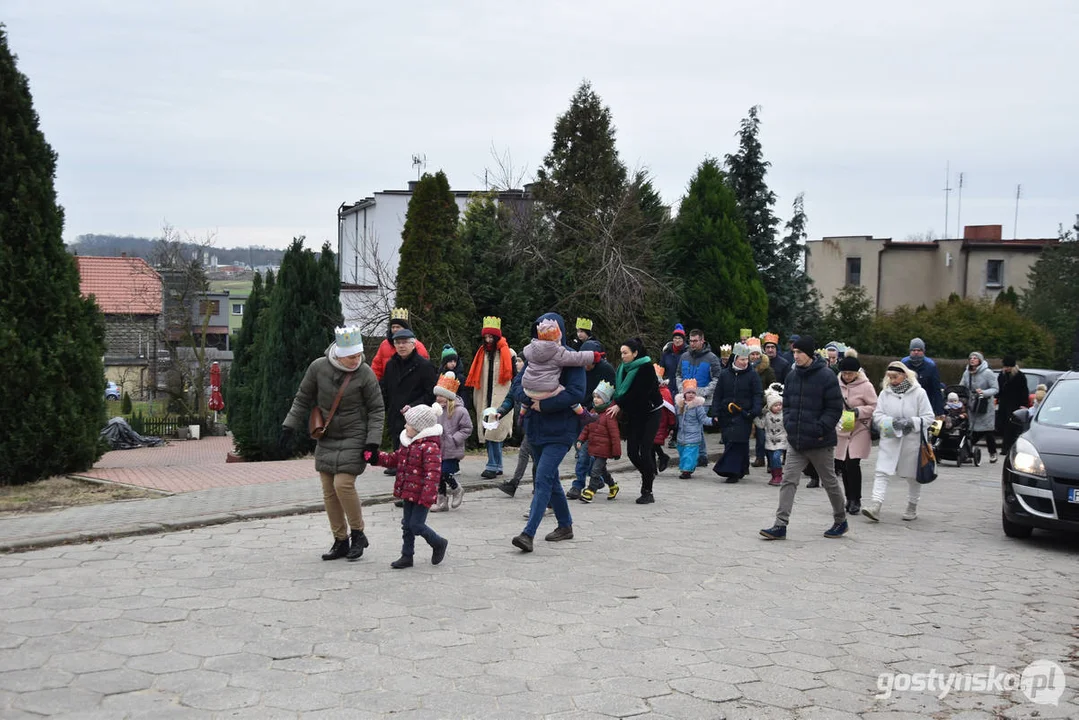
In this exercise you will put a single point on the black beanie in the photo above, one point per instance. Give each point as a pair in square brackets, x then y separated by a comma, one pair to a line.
[1009, 361]
[850, 364]
[806, 344]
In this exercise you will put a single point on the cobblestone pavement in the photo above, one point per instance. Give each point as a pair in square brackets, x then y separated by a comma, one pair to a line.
[671, 610]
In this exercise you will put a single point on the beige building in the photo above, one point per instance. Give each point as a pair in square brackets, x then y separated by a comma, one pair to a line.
[980, 265]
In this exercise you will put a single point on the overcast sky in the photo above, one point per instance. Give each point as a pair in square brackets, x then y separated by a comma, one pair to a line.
[258, 119]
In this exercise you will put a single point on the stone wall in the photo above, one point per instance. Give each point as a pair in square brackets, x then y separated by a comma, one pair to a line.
[131, 336]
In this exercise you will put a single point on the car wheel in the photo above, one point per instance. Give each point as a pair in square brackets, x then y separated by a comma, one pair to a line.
[1015, 530]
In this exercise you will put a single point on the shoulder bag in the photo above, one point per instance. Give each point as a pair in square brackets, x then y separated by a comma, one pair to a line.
[927, 460]
[316, 424]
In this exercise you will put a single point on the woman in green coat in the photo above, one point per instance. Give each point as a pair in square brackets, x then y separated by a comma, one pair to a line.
[355, 427]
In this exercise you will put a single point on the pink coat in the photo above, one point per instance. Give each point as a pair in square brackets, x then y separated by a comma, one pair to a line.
[418, 463]
[860, 395]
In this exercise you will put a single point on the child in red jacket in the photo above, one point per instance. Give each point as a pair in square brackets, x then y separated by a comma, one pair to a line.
[604, 443]
[419, 468]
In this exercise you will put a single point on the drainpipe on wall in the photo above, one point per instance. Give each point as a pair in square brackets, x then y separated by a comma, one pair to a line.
[880, 271]
[966, 269]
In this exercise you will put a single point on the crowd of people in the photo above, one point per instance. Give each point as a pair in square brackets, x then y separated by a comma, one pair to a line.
[804, 411]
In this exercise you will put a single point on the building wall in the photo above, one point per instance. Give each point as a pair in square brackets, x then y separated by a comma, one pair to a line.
[132, 378]
[826, 263]
[1017, 265]
[909, 276]
[130, 336]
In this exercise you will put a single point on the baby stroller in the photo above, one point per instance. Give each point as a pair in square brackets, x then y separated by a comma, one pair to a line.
[953, 437]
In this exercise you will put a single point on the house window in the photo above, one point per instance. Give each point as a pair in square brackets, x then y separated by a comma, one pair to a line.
[854, 271]
[211, 307]
[994, 273]
[237, 308]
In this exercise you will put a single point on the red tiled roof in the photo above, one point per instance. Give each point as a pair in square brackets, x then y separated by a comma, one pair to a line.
[121, 285]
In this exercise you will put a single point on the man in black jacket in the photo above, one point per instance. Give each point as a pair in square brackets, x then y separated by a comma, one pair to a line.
[409, 380]
[1014, 394]
[812, 407]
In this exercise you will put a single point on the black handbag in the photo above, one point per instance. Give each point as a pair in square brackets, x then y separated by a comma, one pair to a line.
[927, 461]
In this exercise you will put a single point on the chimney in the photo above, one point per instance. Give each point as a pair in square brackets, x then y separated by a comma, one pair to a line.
[983, 232]
[412, 185]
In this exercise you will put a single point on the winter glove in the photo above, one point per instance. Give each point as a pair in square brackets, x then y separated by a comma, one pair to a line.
[903, 424]
[284, 441]
[370, 453]
[596, 357]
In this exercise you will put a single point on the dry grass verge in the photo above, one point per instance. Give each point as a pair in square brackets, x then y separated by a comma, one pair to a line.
[60, 492]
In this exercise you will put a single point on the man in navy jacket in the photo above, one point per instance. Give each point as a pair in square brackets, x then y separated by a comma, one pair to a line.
[928, 375]
[812, 407]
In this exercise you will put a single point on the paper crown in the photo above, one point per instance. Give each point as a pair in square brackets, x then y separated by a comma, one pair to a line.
[744, 333]
[725, 349]
[349, 341]
[447, 386]
[399, 314]
[688, 385]
[742, 350]
[754, 344]
[492, 323]
[771, 338]
[584, 324]
[660, 372]
[548, 330]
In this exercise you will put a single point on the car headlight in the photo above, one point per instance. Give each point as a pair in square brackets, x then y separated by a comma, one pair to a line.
[1025, 458]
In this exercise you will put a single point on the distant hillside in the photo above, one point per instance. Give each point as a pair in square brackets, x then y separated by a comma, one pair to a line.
[114, 245]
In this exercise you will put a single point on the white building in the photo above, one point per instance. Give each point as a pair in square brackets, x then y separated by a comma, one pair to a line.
[369, 245]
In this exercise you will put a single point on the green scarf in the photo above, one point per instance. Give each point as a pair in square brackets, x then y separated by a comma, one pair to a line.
[626, 372]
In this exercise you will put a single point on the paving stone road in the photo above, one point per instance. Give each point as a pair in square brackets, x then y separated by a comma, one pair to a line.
[672, 610]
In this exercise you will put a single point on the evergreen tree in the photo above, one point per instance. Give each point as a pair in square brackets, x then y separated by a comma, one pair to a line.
[794, 307]
[595, 253]
[746, 171]
[1008, 297]
[848, 318]
[51, 339]
[1052, 298]
[580, 186]
[721, 290]
[238, 389]
[430, 277]
[294, 327]
[497, 284]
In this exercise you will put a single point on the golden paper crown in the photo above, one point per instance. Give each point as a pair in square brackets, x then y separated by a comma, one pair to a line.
[399, 314]
[771, 338]
[584, 324]
[492, 322]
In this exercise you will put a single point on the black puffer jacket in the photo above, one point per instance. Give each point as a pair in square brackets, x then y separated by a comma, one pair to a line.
[742, 387]
[407, 382]
[812, 406]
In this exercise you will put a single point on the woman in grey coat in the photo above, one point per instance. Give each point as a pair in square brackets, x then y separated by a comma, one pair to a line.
[356, 427]
[981, 382]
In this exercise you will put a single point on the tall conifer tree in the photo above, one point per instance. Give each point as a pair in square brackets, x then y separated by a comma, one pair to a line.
[51, 339]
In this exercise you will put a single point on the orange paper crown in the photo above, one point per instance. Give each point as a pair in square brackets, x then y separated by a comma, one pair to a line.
[447, 386]
[688, 385]
[771, 338]
[660, 372]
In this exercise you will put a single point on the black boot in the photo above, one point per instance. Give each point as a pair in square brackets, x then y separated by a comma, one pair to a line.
[339, 550]
[509, 487]
[814, 483]
[359, 542]
[855, 507]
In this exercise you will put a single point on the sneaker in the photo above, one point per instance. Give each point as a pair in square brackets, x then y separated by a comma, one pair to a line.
[855, 508]
[574, 493]
[837, 530]
[405, 561]
[646, 499]
[488, 474]
[872, 511]
[993, 457]
[527, 513]
[439, 552]
[664, 462]
[612, 491]
[586, 495]
[510, 488]
[524, 542]
[560, 533]
[814, 483]
[776, 532]
[912, 511]
[685, 475]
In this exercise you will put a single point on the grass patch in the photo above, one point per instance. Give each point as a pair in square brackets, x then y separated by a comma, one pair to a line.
[60, 492]
[146, 407]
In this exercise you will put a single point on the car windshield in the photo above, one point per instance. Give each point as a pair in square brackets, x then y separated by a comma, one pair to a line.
[1061, 406]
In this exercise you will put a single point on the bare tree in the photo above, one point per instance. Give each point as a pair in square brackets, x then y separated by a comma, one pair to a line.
[504, 175]
[369, 305]
[928, 236]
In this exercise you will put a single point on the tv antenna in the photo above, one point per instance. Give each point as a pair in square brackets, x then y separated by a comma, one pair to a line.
[419, 161]
[947, 192]
[1015, 226]
[959, 210]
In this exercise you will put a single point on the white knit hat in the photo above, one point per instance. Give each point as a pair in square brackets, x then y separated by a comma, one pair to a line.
[422, 417]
